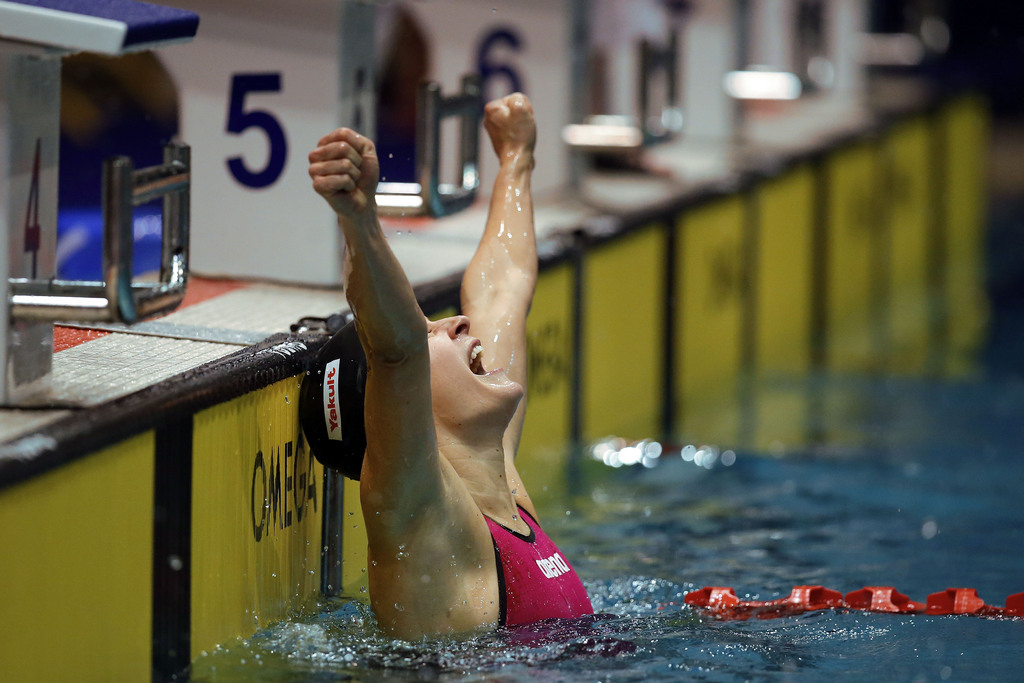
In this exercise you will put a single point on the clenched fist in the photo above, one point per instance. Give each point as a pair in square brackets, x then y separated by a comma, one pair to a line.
[345, 171]
[509, 122]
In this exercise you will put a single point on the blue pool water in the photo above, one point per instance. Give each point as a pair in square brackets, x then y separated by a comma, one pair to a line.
[914, 483]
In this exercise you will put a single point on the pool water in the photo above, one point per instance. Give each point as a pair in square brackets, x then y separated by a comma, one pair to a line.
[914, 483]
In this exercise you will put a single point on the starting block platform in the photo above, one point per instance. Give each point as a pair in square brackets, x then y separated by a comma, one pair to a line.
[110, 27]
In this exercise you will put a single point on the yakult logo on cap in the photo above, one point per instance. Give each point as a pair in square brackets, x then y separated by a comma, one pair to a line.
[331, 415]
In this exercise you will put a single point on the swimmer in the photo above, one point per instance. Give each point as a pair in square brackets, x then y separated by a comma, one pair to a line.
[454, 545]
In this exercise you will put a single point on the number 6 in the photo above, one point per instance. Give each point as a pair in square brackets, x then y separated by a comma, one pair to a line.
[489, 69]
[240, 120]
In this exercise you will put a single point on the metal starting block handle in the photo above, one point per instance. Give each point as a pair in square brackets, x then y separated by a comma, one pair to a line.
[118, 298]
[614, 133]
[668, 122]
[429, 196]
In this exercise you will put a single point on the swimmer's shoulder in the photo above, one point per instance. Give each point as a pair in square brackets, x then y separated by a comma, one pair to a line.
[435, 572]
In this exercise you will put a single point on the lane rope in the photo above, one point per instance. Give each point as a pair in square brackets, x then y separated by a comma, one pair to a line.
[722, 603]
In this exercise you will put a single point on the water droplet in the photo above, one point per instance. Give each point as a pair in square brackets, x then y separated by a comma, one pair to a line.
[929, 529]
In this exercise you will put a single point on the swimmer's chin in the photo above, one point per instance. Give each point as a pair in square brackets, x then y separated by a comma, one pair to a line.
[497, 377]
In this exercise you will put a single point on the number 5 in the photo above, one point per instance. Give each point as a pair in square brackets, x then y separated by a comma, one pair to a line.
[240, 120]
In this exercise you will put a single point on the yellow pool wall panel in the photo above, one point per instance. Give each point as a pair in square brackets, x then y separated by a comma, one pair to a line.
[77, 545]
[710, 294]
[906, 191]
[256, 515]
[965, 131]
[782, 301]
[783, 287]
[851, 273]
[354, 580]
[542, 455]
[623, 320]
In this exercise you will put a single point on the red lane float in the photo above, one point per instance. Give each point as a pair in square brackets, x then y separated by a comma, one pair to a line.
[882, 599]
[721, 602]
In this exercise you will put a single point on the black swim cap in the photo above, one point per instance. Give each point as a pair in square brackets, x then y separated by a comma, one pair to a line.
[331, 403]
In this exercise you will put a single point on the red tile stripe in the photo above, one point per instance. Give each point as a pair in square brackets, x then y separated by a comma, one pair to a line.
[199, 290]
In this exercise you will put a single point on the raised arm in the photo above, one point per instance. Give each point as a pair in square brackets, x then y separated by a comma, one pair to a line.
[498, 286]
[401, 465]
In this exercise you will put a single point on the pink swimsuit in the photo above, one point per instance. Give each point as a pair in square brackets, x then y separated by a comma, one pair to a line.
[535, 580]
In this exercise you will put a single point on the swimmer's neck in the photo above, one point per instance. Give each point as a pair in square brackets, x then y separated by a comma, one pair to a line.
[480, 466]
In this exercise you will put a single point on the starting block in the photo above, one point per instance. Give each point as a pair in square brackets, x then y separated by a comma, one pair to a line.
[266, 79]
[633, 79]
[510, 45]
[261, 84]
[33, 38]
[806, 50]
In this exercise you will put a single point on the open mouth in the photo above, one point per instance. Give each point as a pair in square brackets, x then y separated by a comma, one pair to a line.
[475, 363]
